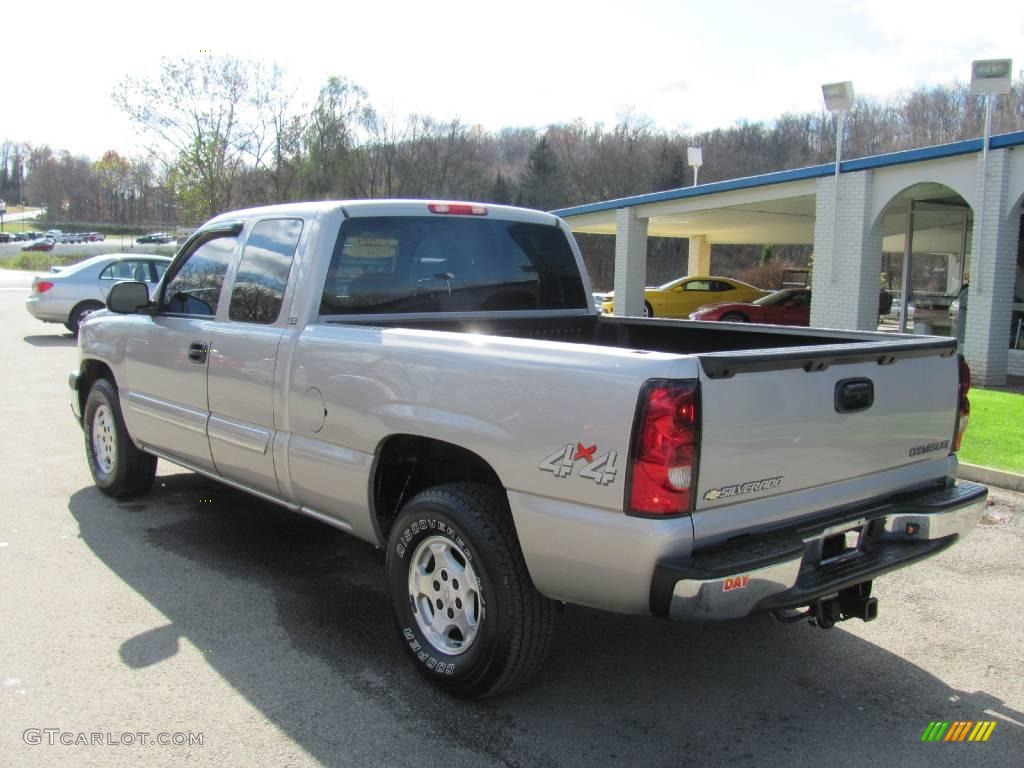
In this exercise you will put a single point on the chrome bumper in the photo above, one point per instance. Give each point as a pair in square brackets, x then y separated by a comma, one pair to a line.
[794, 567]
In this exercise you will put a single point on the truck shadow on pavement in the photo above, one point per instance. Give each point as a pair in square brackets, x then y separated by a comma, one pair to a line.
[295, 618]
[50, 340]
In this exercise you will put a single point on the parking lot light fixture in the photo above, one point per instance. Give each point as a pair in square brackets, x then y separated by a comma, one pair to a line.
[694, 159]
[838, 100]
[989, 78]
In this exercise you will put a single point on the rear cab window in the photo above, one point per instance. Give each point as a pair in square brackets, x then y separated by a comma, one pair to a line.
[406, 264]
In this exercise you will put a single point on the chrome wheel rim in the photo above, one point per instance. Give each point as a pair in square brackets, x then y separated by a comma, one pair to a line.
[104, 439]
[445, 595]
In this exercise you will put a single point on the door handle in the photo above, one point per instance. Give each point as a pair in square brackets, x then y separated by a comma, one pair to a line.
[197, 352]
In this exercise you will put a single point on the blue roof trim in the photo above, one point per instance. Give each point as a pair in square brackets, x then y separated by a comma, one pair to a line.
[811, 172]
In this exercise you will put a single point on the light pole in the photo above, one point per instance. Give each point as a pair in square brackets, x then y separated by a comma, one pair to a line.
[838, 100]
[989, 77]
[695, 160]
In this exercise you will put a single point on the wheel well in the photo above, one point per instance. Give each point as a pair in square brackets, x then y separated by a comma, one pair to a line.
[91, 371]
[84, 303]
[736, 313]
[408, 464]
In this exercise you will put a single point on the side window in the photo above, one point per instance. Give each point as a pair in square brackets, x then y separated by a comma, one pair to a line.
[698, 285]
[263, 273]
[160, 267]
[126, 270]
[720, 286]
[195, 287]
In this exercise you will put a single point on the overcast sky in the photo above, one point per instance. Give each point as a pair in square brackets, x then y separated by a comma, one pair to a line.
[688, 65]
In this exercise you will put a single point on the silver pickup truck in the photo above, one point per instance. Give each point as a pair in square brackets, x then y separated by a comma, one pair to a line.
[434, 379]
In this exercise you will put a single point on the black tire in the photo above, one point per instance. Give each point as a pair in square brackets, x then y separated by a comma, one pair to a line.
[130, 471]
[514, 626]
[734, 317]
[648, 309]
[79, 313]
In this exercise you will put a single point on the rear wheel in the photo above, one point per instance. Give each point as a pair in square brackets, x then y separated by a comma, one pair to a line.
[467, 612]
[734, 317]
[118, 468]
[79, 313]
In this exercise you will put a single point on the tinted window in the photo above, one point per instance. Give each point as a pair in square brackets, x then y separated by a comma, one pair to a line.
[718, 285]
[195, 288]
[160, 267]
[263, 273]
[127, 270]
[450, 264]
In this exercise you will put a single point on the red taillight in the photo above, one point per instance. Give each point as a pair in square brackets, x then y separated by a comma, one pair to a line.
[663, 460]
[42, 286]
[459, 209]
[963, 403]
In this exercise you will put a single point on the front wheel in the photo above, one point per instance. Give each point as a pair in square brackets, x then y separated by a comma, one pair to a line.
[648, 309]
[734, 317]
[467, 612]
[118, 468]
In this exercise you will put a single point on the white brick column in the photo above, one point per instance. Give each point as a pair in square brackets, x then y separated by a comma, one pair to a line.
[991, 266]
[630, 262]
[847, 262]
[699, 262]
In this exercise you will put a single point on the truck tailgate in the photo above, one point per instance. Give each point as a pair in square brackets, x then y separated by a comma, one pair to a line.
[802, 419]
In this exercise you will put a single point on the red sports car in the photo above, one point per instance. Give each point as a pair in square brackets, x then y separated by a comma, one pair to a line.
[790, 306]
[40, 245]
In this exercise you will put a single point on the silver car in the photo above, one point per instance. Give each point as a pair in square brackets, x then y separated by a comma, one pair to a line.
[67, 296]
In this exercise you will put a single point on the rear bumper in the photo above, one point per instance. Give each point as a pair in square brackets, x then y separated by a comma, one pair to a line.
[47, 310]
[791, 568]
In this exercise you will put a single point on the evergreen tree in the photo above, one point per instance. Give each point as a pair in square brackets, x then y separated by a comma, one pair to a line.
[767, 254]
[500, 192]
[543, 185]
[671, 170]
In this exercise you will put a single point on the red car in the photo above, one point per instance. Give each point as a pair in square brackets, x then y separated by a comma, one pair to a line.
[790, 306]
[39, 245]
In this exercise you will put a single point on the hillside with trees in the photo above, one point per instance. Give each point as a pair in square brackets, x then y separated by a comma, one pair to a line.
[224, 133]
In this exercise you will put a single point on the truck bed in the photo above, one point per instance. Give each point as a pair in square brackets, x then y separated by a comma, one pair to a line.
[714, 343]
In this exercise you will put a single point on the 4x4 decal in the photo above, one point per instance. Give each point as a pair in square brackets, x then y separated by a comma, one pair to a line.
[562, 463]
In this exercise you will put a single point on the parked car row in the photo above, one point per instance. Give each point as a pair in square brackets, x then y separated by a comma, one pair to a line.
[18, 237]
[156, 237]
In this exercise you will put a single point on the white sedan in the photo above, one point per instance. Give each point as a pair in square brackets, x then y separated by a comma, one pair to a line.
[68, 296]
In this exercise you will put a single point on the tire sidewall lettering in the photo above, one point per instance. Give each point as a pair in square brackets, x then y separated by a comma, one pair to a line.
[430, 659]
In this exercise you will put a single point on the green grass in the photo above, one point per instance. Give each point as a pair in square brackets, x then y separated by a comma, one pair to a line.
[995, 434]
[39, 261]
[21, 225]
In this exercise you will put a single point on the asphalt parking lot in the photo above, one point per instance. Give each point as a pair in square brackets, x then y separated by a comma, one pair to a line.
[199, 610]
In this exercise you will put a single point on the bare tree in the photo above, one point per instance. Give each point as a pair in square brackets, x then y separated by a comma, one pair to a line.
[199, 118]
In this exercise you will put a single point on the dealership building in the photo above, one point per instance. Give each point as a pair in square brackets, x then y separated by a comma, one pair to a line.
[933, 220]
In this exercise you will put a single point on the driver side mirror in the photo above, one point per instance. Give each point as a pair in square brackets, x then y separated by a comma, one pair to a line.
[128, 298]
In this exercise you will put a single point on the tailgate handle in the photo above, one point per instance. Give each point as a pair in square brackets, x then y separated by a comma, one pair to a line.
[854, 395]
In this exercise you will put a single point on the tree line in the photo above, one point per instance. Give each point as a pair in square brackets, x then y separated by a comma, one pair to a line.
[223, 133]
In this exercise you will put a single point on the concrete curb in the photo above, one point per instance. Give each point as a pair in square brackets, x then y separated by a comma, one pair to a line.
[1010, 481]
